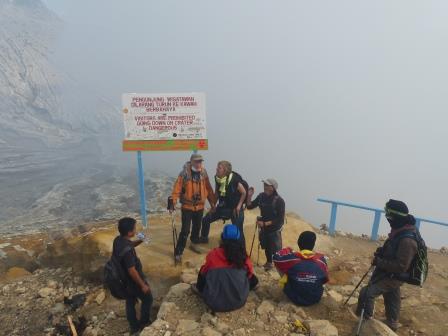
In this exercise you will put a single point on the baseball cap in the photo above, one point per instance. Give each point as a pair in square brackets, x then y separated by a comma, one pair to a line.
[271, 182]
[196, 157]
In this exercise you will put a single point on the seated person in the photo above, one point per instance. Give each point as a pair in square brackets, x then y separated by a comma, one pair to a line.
[304, 272]
[227, 276]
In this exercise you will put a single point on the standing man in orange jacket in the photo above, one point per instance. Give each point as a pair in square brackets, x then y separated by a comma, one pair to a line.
[192, 189]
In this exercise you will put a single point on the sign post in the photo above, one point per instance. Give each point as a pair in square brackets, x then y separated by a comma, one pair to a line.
[162, 122]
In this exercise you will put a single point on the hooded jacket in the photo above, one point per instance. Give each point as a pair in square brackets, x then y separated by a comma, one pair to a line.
[192, 189]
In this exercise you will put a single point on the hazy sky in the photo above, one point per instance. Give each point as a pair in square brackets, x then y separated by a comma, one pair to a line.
[339, 99]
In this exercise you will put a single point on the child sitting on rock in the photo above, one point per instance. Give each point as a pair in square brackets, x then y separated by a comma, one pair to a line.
[304, 272]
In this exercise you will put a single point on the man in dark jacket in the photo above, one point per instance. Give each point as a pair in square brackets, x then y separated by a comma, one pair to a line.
[304, 272]
[231, 195]
[395, 257]
[272, 208]
[137, 286]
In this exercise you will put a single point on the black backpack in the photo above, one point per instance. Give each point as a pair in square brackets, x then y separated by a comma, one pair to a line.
[418, 271]
[115, 278]
[235, 194]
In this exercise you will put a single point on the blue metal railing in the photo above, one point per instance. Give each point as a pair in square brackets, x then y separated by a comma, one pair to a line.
[376, 219]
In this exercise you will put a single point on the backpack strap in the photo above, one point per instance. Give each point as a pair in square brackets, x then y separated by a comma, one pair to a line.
[124, 251]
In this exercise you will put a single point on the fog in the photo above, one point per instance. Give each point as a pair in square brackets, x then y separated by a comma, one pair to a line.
[345, 100]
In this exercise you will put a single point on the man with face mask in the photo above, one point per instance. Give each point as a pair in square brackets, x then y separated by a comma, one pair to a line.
[395, 257]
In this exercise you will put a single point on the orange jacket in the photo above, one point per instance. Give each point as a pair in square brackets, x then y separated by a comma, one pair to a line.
[185, 188]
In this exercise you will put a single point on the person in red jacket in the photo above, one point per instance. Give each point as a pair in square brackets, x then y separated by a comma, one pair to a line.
[227, 276]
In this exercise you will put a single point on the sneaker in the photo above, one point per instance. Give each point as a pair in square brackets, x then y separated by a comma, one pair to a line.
[268, 266]
[203, 240]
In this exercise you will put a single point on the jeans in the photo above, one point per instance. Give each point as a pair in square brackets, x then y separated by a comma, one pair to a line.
[189, 217]
[271, 242]
[390, 290]
[145, 309]
[222, 213]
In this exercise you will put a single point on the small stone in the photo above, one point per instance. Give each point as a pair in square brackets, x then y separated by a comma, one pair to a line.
[178, 290]
[265, 307]
[335, 296]
[165, 308]
[208, 318]
[100, 297]
[52, 284]
[185, 326]
[321, 328]
[188, 277]
[240, 332]
[46, 292]
[222, 327]
[207, 331]
[20, 290]
[59, 308]
[111, 316]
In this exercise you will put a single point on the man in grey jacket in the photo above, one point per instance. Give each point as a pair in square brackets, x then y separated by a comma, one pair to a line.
[395, 257]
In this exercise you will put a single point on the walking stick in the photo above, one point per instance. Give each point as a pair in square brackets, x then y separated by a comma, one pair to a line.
[359, 283]
[253, 240]
[173, 227]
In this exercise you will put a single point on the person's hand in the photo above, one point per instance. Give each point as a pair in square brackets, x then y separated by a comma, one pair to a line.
[250, 192]
[141, 236]
[237, 211]
[212, 209]
[146, 289]
[260, 223]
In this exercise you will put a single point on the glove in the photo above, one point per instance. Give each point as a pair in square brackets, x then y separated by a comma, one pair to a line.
[141, 236]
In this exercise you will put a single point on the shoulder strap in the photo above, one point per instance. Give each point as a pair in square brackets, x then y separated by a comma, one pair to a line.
[124, 251]
[407, 234]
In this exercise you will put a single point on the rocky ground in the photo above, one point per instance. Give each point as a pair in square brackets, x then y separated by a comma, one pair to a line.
[48, 284]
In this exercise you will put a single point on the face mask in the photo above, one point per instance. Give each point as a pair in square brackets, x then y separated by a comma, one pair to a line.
[195, 170]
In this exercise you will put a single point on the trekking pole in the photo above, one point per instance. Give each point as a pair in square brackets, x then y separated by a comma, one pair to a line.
[361, 317]
[359, 283]
[173, 227]
[253, 240]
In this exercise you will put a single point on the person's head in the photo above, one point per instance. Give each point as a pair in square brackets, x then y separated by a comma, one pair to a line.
[196, 162]
[270, 186]
[307, 240]
[233, 245]
[397, 214]
[127, 227]
[224, 168]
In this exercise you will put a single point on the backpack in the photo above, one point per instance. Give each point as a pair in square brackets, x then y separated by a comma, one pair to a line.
[418, 271]
[233, 191]
[115, 277]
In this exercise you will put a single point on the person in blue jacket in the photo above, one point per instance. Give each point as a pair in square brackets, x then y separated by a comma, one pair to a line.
[304, 272]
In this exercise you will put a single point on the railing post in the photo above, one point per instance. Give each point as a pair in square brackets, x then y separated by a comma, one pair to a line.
[334, 209]
[417, 223]
[376, 225]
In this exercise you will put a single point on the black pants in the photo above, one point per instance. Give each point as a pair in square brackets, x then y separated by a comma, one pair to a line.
[189, 217]
[145, 309]
[389, 289]
[222, 213]
[271, 242]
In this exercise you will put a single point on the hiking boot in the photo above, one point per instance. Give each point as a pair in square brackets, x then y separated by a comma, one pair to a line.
[178, 259]
[268, 266]
[392, 324]
[203, 240]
